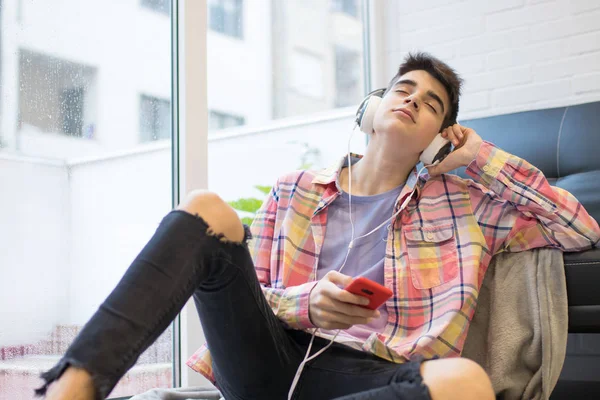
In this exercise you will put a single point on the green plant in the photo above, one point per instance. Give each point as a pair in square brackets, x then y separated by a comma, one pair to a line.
[250, 205]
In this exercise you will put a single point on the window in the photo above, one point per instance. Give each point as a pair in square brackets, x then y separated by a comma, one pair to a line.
[307, 76]
[155, 119]
[161, 6]
[348, 84]
[71, 111]
[299, 62]
[226, 17]
[56, 96]
[218, 120]
[302, 63]
[349, 7]
[80, 195]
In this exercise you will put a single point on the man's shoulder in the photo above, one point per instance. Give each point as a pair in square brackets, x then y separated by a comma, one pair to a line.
[446, 179]
[454, 183]
[306, 179]
[450, 182]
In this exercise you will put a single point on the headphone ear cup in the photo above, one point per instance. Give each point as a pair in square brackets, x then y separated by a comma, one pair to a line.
[366, 114]
[437, 150]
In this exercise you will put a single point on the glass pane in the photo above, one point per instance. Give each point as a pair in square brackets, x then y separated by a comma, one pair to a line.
[85, 172]
[296, 64]
[285, 77]
[265, 64]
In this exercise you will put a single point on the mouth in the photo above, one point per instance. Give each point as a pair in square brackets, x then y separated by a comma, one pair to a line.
[404, 112]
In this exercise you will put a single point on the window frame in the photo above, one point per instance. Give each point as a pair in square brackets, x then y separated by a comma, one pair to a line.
[155, 104]
[189, 150]
[190, 135]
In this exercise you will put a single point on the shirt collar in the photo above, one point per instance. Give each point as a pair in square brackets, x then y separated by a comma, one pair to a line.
[330, 174]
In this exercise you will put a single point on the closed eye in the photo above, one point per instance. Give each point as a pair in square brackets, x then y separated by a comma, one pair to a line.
[402, 91]
[432, 108]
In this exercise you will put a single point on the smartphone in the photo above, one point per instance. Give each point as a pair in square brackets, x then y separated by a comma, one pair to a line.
[376, 293]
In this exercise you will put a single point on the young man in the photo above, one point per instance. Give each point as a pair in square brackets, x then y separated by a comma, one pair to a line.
[258, 308]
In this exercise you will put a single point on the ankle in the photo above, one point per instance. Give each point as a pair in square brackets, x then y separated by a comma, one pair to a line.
[74, 383]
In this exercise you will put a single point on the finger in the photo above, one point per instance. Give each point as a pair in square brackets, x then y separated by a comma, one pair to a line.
[458, 133]
[444, 133]
[338, 318]
[432, 170]
[354, 311]
[344, 296]
[452, 136]
[448, 164]
[328, 320]
[465, 130]
[338, 278]
[328, 304]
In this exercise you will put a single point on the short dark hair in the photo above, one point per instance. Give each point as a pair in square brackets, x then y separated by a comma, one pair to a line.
[441, 71]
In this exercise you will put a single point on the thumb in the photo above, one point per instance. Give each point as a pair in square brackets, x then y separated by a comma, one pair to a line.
[448, 164]
[338, 278]
[433, 170]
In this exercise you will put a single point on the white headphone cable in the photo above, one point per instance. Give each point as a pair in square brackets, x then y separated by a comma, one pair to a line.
[307, 356]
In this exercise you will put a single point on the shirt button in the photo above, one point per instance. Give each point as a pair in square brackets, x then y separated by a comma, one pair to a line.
[429, 235]
[486, 168]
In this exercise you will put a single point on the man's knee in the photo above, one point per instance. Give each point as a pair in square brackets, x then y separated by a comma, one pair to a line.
[220, 217]
[457, 378]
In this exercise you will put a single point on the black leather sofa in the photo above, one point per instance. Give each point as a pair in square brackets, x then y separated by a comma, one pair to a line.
[565, 144]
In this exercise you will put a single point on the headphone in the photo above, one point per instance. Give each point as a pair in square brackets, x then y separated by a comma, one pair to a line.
[437, 150]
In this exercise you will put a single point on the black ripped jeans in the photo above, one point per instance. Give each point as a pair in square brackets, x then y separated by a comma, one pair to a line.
[254, 356]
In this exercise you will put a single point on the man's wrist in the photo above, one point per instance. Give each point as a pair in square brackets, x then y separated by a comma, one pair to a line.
[474, 152]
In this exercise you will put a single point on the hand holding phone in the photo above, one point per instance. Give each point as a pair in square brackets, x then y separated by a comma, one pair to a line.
[376, 293]
[332, 307]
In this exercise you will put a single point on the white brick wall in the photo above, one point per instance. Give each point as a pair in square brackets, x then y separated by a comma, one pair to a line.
[514, 55]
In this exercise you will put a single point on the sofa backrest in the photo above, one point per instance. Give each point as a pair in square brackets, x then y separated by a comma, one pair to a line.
[564, 143]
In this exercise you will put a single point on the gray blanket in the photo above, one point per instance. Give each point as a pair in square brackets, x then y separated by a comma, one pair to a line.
[180, 394]
[519, 330]
[518, 333]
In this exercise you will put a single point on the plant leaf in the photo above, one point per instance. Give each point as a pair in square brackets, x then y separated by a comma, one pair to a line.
[263, 189]
[247, 204]
[247, 220]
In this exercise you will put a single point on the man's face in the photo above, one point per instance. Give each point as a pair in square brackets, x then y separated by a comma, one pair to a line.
[413, 110]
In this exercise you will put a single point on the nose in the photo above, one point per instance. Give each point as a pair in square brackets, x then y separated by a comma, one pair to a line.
[412, 100]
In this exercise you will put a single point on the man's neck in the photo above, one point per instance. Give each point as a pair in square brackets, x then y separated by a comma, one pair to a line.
[378, 171]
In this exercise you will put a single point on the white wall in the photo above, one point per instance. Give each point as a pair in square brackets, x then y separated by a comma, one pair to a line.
[34, 248]
[116, 204]
[514, 55]
[69, 231]
[260, 157]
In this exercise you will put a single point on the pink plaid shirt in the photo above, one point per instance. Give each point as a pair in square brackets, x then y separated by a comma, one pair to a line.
[437, 253]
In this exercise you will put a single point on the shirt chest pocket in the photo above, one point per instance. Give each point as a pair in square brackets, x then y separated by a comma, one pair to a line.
[432, 255]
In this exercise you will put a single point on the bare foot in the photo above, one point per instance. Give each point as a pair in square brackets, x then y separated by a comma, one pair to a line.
[74, 384]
